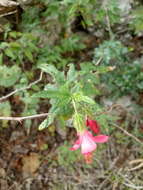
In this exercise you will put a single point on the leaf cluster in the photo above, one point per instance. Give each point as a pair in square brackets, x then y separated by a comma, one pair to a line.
[67, 87]
[20, 48]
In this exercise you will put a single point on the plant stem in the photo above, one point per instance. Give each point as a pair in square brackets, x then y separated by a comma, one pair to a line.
[79, 126]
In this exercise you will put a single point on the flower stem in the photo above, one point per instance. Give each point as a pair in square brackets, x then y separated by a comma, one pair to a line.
[80, 125]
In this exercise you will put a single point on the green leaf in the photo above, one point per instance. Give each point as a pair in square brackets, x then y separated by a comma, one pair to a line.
[50, 87]
[43, 125]
[49, 94]
[88, 100]
[15, 45]
[58, 76]
[140, 85]
[50, 119]
[79, 97]
[3, 45]
[9, 75]
[28, 54]
[72, 74]
[78, 121]
[5, 110]
[15, 34]
[9, 53]
[50, 69]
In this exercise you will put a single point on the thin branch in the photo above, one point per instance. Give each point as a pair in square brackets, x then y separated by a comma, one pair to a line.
[9, 13]
[98, 61]
[25, 117]
[136, 162]
[129, 134]
[129, 183]
[111, 108]
[136, 167]
[22, 89]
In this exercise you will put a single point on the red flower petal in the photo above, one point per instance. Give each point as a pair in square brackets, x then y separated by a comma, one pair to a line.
[101, 138]
[93, 125]
[76, 145]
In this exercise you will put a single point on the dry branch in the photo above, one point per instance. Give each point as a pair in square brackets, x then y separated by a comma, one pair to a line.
[8, 7]
[21, 89]
[25, 117]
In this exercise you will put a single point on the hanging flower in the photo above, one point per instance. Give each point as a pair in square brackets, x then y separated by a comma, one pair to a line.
[87, 142]
[94, 126]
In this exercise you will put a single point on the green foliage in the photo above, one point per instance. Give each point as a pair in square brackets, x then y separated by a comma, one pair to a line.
[9, 75]
[48, 39]
[21, 48]
[30, 19]
[129, 78]
[30, 107]
[55, 55]
[111, 52]
[107, 11]
[137, 19]
[66, 89]
[78, 6]
[5, 110]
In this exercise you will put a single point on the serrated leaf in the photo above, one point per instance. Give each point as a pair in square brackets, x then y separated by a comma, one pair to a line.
[79, 97]
[47, 122]
[50, 119]
[43, 125]
[48, 94]
[88, 100]
[72, 74]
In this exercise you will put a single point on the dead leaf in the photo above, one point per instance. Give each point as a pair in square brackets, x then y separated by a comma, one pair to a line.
[2, 173]
[30, 164]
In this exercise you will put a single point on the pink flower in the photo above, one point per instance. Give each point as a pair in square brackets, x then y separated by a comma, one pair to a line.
[87, 142]
[94, 126]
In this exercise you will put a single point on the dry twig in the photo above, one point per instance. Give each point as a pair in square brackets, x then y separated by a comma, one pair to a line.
[22, 89]
[25, 117]
[129, 183]
[140, 161]
[129, 134]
